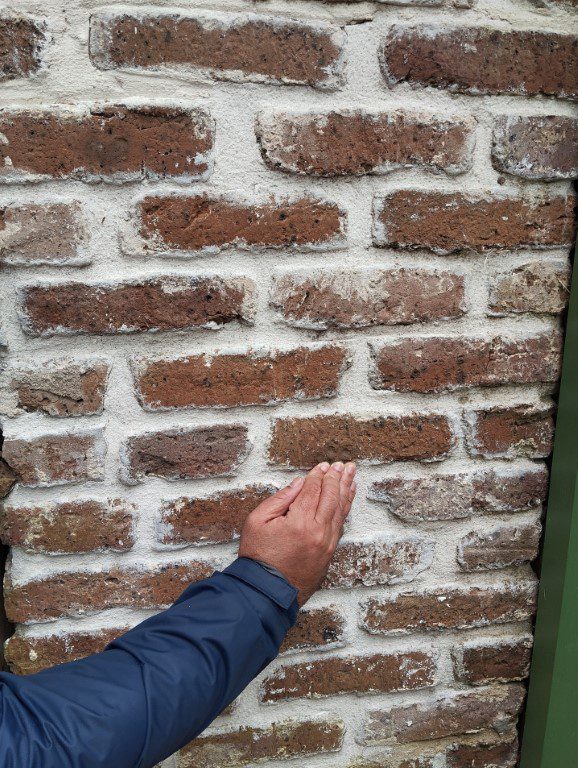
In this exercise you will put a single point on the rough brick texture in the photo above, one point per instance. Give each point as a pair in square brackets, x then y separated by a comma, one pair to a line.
[520, 431]
[499, 548]
[492, 661]
[534, 287]
[22, 40]
[481, 754]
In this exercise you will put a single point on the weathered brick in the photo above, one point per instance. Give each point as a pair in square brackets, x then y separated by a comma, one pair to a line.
[241, 48]
[315, 628]
[106, 143]
[36, 234]
[538, 287]
[384, 560]
[172, 302]
[355, 142]
[26, 655]
[479, 662]
[449, 608]
[483, 754]
[226, 380]
[499, 548]
[555, 3]
[481, 60]
[61, 388]
[185, 454]
[303, 442]
[537, 148]
[178, 225]
[22, 43]
[451, 715]
[438, 363]
[8, 478]
[279, 741]
[378, 673]
[461, 495]
[59, 459]
[322, 300]
[520, 431]
[73, 526]
[211, 519]
[449, 222]
[87, 592]
[389, 760]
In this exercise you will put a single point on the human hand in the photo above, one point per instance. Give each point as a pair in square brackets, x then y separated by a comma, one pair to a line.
[297, 529]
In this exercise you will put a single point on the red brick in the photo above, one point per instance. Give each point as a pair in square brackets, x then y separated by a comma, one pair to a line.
[451, 715]
[503, 754]
[480, 60]
[62, 389]
[438, 363]
[185, 454]
[106, 143]
[501, 547]
[449, 608]
[257, 377]
[480, 662]
[450, 222]
[303, 442]
[26, 655]
[355, 142]
[22, 43]
[53, 234]
[538, 287]
[279, 741]
[378, 673]
[536, 148]
[71, 526]
[322, 300]
[61, 459]
[241, 48]
[178, 225]
[8, 478]
[520, 431]
[461, 495]
[315, 628]
[382, 561]
[214, 519]
[164, 303]
[87, 592]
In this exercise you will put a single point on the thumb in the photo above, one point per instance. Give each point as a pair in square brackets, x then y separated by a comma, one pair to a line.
[278, 504]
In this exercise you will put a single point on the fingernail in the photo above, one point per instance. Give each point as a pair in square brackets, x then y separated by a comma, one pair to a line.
[324, 466]
[296, 481]
[338, 466]
[350, 468]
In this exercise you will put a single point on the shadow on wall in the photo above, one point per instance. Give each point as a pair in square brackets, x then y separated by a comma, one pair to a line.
[7, 480]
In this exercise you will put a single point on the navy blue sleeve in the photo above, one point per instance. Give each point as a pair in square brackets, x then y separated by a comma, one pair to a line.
[154, 688]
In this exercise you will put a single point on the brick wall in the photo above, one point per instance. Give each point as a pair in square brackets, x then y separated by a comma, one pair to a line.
[249, 240]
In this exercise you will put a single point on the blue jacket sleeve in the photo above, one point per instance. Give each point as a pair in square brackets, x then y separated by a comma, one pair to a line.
[154, 688]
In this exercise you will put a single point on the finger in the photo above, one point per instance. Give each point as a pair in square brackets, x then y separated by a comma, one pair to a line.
[338, 524]
[279, 503]
[307, 500]
[347, 478]
[330, 494]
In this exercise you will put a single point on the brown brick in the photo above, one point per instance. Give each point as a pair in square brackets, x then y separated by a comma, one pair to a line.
[22, 42]
[241, 48]
[455, 496]
[382, 561]
[62, 389]
[214, 519]
[106, 143]
[87, 592]
[185, 454]
[450, 222]
[451, 715]
[315, 628]
[8, 478]
[392, 761]
[355, 142]
[303, 442]
[26, 655]
[53, 234]
[227, 380]
[158, 304]
[72, 526]
[503, 754]
[378, 673]
[480, 662]
[480, 60]
[537, 148]
[538, 287]
[210, 224]
[449, 608]
[501, 547]
[521, 431]
[321, 300]
[279, 741]
[438, 363]
[73, 457]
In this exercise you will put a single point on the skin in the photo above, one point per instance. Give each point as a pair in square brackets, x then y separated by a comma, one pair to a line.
[297, 529]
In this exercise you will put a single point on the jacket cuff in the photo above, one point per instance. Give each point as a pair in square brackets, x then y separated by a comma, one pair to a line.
[276, 588]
